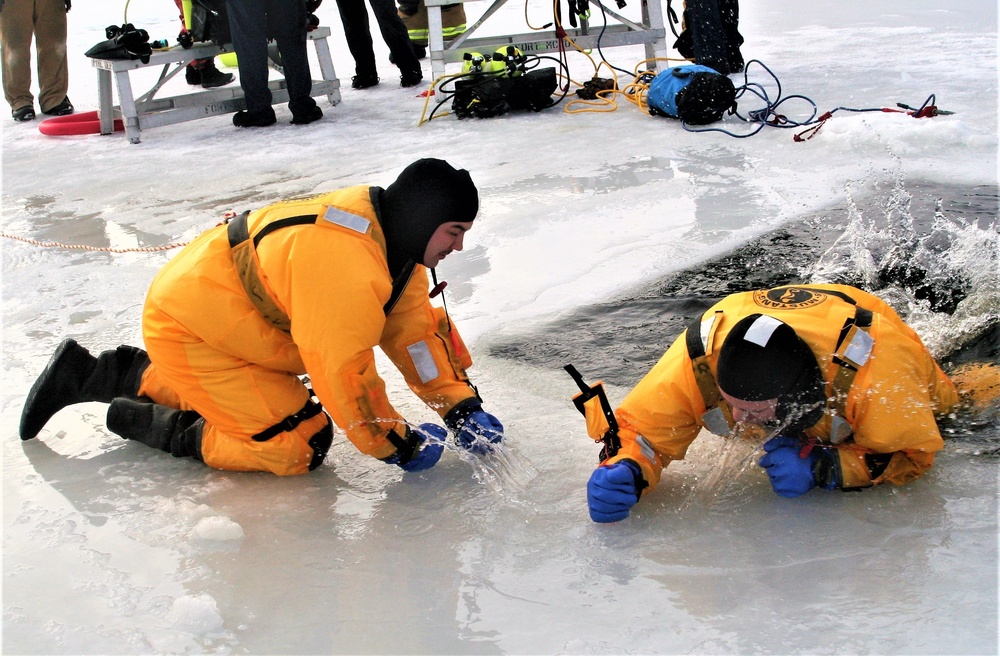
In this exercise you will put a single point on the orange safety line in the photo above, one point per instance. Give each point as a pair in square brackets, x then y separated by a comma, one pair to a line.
[103, 249]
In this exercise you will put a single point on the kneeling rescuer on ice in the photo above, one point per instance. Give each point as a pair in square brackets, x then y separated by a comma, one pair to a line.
[305, 286]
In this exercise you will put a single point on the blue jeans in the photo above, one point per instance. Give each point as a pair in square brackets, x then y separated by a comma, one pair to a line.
[253, 23]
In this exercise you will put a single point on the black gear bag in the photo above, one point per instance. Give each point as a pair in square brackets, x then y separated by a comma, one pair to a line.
[485, 95]
[125, 42]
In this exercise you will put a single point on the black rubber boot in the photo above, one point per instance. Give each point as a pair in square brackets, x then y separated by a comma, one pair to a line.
[73, 375]
[212, 77]
[192, 75]
[178, 432]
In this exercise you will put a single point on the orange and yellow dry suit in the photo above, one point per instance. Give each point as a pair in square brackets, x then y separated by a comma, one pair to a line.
[233, 321]
[884, 387]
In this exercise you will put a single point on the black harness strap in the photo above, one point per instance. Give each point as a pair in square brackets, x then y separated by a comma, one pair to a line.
[319, 442]
[398, 285]
[304, 219]
[308, 411]
[237, 230]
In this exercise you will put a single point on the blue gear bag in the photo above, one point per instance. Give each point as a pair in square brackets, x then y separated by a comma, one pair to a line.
[695, 94]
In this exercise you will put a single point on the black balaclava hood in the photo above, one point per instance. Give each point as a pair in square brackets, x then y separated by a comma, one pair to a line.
[762, 359]
[427, 193]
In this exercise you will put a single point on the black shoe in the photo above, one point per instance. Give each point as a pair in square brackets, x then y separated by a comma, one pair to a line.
[62, 109]
[308, 116]
[261, 119]
[364, 81]
[192, 76]
[410, 78]
[212, 77]
[22, 114]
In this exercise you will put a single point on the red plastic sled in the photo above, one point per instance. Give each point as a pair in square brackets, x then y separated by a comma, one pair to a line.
[82, 123]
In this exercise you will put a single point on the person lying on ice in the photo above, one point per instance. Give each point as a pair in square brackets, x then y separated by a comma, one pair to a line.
[305, 286]
[845, 391]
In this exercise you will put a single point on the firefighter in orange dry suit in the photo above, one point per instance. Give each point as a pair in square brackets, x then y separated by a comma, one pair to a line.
[308, 285]
[846, 391]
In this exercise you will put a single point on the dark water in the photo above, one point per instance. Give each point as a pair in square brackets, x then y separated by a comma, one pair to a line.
[907, 232]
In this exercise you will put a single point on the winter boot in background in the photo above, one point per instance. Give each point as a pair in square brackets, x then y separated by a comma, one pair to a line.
[178, 432]
[212, 77]
[73, 375]
[192, 74]
[203, 73]
[410, 78]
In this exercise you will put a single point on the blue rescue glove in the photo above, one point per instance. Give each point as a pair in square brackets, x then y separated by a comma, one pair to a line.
[791, 474]
[475, 429]
[612, 490]
[424, 455]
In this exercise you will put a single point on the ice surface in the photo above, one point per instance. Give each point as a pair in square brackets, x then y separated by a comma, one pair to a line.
[110, 547]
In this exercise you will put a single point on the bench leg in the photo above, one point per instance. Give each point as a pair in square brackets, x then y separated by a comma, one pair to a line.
[326, 67]
[435, 41]
[105, 101]
[652, 20]
[129, 114]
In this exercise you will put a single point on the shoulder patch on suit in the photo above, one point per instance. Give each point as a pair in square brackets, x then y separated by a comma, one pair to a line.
[346, 219]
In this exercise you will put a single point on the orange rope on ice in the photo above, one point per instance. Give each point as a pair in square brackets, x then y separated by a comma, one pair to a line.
[102, 249]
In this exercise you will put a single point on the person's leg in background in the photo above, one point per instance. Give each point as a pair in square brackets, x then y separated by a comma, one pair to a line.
[354, 16]
[248, 24]
[287, 24]
[396, 36]
[16, 32]
[53, 63]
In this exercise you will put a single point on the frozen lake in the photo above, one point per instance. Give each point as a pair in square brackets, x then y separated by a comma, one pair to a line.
[594, 229]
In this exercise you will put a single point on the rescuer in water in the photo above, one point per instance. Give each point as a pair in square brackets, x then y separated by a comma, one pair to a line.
[304, 286]
[845, 391]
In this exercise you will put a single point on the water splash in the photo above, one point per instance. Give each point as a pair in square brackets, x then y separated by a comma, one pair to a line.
[506, 471]
[503, 469]
[941, 272]
[731, 465]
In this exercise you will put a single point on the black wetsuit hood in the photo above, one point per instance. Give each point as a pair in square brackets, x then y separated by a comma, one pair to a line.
[427, 193]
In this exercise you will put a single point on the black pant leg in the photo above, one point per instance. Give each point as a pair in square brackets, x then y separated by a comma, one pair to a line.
[354, 16]
[729, 13]
[248, 24]
[287, 24]
[703, 30]
[395, 34]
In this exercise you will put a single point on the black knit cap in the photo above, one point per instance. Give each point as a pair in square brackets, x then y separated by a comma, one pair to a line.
[762, 359]
[427, 193]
